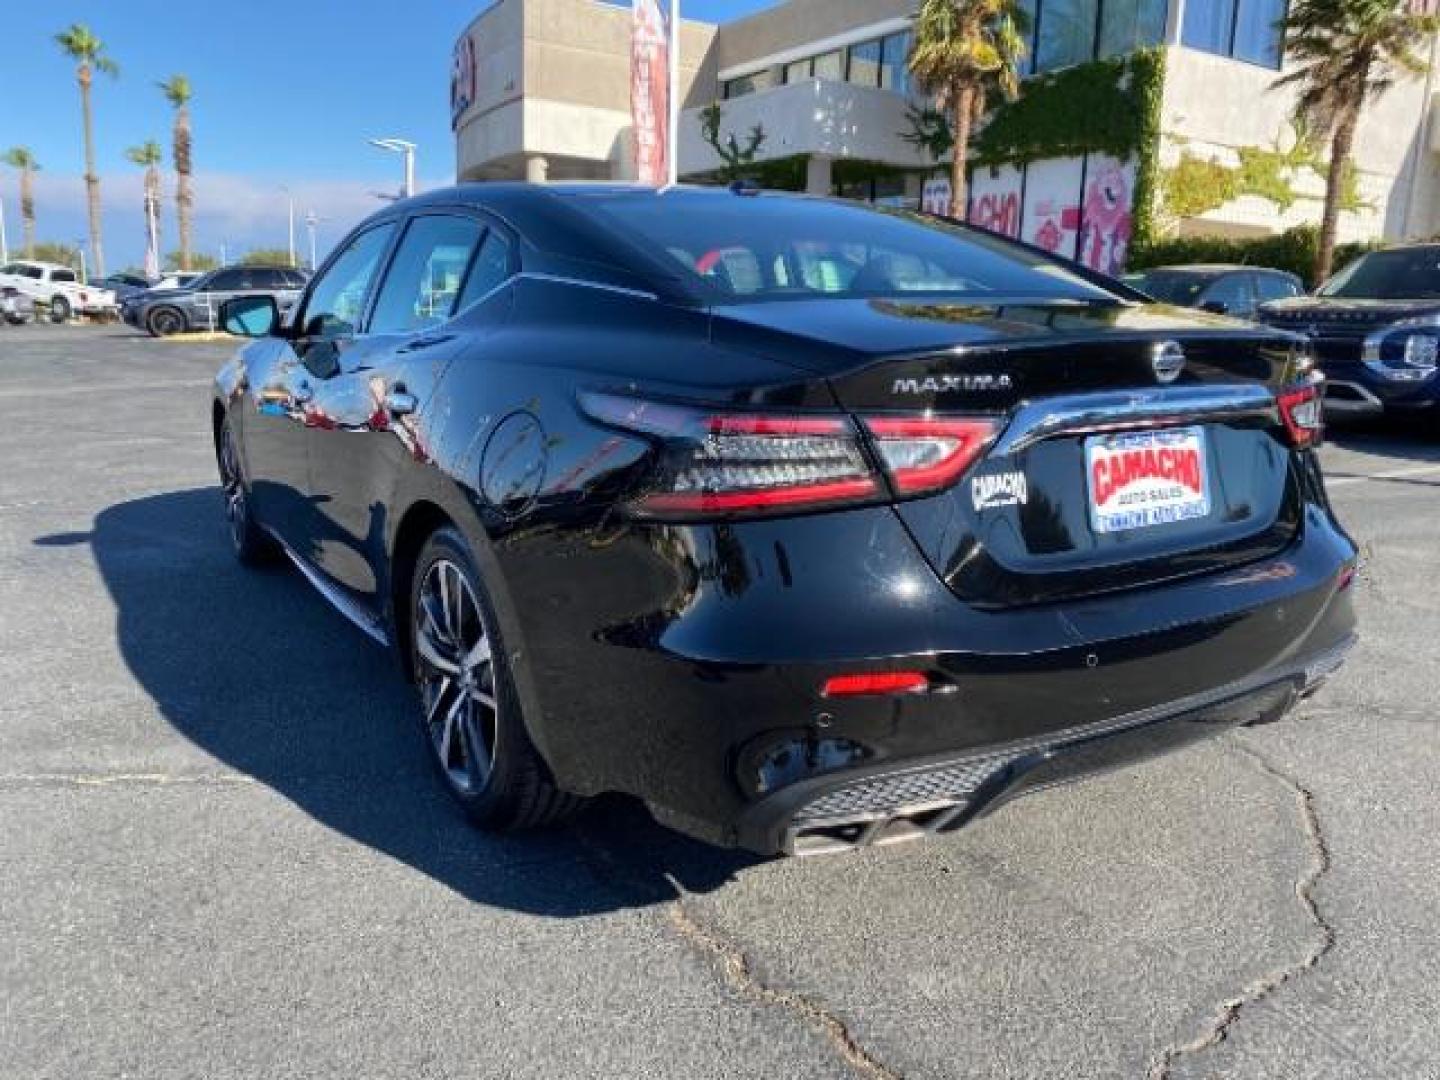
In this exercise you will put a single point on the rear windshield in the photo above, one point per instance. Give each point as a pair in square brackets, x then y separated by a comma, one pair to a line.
[768, 248]
[1172, 286]
[1405, 274]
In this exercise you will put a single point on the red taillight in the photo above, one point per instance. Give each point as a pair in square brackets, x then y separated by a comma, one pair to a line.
[876, 682]
[1302, 411]
[927, 454]
[719, 464]
[733, 464]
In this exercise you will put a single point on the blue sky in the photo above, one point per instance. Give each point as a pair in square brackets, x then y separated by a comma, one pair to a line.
[285, 94]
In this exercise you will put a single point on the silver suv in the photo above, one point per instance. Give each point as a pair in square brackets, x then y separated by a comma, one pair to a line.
[197, 306]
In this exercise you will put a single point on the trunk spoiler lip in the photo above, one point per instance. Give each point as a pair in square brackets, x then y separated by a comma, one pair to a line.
[1094, 413]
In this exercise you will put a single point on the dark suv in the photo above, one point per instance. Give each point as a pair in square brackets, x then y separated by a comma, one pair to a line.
[172, 311]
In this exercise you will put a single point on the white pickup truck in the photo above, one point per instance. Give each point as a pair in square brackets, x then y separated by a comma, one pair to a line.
[58, 287]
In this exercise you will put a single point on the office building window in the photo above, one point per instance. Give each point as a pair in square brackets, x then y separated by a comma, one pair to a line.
[1258, 36]
[1029, 9]
[1127, 25]
[799, 71]
[895, 65]
[748, 84]
[1067, 33]
[831, 66]
[1245, 29]
[865, 62]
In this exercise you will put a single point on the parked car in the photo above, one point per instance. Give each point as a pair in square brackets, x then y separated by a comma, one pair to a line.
[125, 285]
[1375, 327]
[162, 312]
[57, 287]
[15, 306]
[814, 525]
[1222, 289]
[177, 279]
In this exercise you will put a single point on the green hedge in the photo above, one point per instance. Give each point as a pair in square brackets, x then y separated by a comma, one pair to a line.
[1293, 250]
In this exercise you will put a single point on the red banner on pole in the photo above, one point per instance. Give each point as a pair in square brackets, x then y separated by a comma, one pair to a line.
[650, 92]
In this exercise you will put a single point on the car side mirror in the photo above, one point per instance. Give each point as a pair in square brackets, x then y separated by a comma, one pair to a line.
[250, 316]
[1215, 307]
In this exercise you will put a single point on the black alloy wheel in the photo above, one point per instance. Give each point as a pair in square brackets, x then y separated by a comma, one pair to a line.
[165, 321]
[251, 544]
[470, 712]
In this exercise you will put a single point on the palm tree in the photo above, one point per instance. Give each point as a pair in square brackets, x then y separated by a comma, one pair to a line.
[149, 156]
[1350, 53]
[177, 91]
[20, 157]
[964, 50]
[88, 52]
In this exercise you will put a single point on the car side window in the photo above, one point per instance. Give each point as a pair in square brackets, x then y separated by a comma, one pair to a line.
[337, 299]
[63, 276]
[490, 269]
[229, 281]
[1232, 290]
[1275, 287]
[423, 283]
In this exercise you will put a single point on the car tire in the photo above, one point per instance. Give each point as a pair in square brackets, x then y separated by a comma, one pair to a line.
[165, 322]
[251, 544]
[60, 310]
[470, 713]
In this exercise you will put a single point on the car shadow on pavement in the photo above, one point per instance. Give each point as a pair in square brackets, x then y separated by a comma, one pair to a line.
[259, 672]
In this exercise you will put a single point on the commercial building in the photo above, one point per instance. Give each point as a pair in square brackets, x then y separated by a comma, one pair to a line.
[1158, 115]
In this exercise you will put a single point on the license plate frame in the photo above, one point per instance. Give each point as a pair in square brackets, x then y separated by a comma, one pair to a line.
[1138, 480]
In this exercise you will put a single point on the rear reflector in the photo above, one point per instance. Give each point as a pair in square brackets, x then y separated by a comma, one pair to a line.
[876, 682]
[1301, 410]
[928, 454]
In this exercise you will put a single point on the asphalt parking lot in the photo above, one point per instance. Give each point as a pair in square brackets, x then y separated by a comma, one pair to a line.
[223, 855]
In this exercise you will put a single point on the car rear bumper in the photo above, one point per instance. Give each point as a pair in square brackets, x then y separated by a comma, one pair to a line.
[881, 806]
[689, 670]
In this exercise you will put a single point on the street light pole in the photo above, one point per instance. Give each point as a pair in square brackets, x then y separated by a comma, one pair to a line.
[400, 146]
[4, 247]
[310, 221]
[290, 206]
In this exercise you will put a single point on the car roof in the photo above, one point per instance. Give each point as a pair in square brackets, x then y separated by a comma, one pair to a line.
[41, 265]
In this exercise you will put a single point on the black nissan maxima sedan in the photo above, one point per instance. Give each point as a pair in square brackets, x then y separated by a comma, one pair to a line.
[813, 525]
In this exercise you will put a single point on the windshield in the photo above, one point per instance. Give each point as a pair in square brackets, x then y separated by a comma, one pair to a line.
[770, 248]
[1181, 287]
[1404, 274]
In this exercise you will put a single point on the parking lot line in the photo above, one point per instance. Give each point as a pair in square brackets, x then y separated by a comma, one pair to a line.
[1340, 479]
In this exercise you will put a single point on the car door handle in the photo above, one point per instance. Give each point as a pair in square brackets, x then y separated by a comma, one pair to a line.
[399, 402]
[425, 343]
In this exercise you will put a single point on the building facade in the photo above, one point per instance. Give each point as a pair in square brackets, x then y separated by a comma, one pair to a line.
[1159, 115]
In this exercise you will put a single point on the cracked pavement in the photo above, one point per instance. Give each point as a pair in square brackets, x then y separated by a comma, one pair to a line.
[224, 855]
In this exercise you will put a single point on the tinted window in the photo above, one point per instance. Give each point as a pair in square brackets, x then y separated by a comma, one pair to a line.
[735, 245]
[491, 268]
[267, 277]
[748, 84]
[1245, 29]
[1275, 287]
[1126, 25]
[229, 280]
[1067, 33]
[895, 70]
[424, 279]
[1172, 286]
[1403, 274]
[865, 60]
[1232, 290]
[338, 298]
[62, 275]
